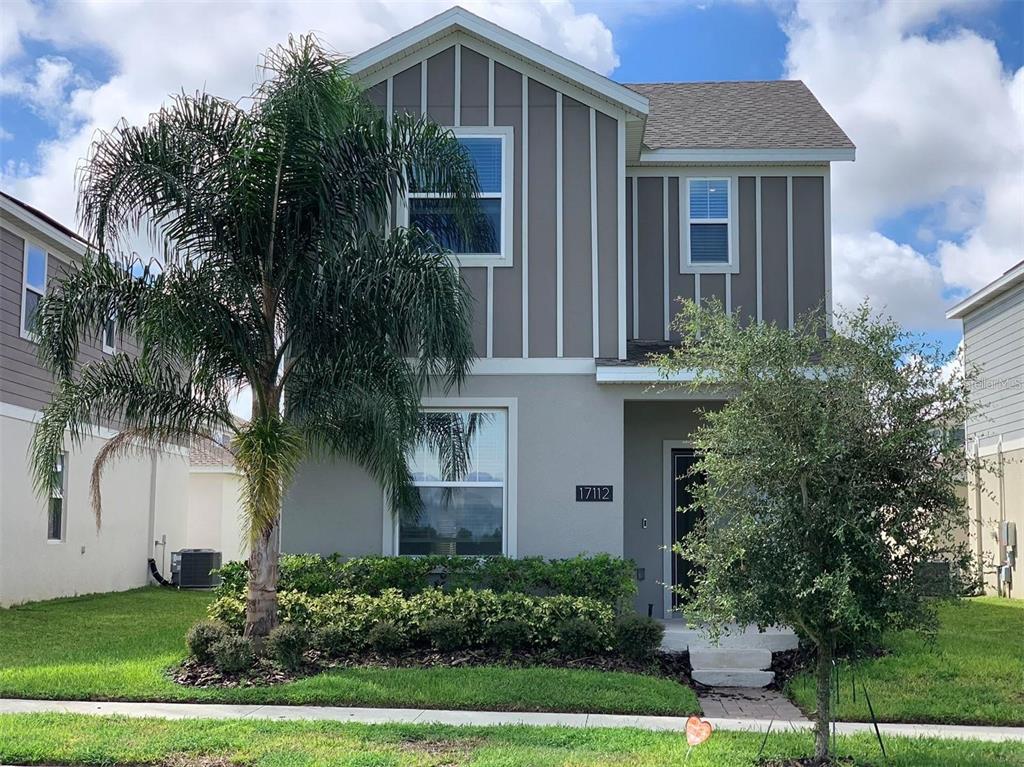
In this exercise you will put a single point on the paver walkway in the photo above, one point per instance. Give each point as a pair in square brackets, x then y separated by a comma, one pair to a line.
[479, 718]
[748, 703]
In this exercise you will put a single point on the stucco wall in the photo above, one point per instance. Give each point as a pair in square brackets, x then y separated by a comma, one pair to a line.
[86, 561]
[214, 513]
[1000, 499]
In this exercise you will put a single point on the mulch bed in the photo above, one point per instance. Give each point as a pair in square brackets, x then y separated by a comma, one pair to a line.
[191, 673]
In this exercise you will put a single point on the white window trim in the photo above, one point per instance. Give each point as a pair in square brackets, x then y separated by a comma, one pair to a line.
[63, 505]
[26, 334]
[686, 266]
[509, 531]
[504, 256]
[108, 349]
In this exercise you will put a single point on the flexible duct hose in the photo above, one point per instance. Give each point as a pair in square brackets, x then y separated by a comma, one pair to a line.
[157, 576]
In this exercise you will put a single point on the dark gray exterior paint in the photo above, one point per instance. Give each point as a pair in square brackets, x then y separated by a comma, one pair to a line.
[541, 206]
[650, 258]
[577, 289]
[405, 90]
[774, 251]
[475, 279]
[474, 88]
[712, 288]
[441, 87]
[508, 281]
[808, 245]
[744, 283]
[607, 160]
[630, 254]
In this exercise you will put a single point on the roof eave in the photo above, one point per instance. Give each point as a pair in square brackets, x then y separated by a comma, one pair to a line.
[460, 19]
[810, 154]
[987, 294]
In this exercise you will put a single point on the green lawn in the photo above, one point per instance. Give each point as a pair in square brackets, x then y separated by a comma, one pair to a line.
[117, 646]
[973, 672]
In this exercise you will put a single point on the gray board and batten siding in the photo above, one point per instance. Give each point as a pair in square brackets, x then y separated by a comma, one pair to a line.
[780, 238]
[559, 295]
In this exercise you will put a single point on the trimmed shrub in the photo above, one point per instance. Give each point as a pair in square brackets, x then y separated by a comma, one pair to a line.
[201, 638]
[638, 637]
[233, 654]
[579, 637]
[511, 635]
[285, 645]
[602, 577]
[446, 633]
[334, 641]
[387, 638]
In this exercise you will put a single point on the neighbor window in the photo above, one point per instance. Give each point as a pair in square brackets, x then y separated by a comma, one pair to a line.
[462, 512]
[55, 513]
[110, 335]
[33, 285]
[709, 222]
[432, 212]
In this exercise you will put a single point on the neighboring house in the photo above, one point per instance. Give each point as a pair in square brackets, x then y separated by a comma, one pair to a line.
[607, 202]
[50, 547]
[214, 510]
[993, 320]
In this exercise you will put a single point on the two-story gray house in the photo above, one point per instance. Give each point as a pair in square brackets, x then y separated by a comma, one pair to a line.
[608, 202]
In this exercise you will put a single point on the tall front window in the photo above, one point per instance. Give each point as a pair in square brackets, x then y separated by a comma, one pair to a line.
[709, 221]
[463, 512]
[55, 513]
[432, 212]
[33, 284]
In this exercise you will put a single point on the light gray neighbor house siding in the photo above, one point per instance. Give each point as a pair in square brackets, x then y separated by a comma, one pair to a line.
[994, 342]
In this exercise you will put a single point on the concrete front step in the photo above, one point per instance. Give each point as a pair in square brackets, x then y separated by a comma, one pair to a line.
[678, 639]
[733, 677]
[714, 658]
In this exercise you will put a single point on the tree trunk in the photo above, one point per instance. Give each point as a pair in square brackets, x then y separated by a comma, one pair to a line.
[823, 718]
[261, 600]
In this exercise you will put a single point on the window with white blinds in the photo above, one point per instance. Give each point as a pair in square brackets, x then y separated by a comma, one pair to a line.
[487, 236]
[709, 208]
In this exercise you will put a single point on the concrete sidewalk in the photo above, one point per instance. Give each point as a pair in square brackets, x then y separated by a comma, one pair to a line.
[475, 718]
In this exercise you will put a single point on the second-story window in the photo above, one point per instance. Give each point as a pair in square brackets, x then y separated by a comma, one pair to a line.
[709, 222]
[489, 150]
[33, 285]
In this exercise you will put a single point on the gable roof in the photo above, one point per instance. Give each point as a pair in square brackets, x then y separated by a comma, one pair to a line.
[1007, 281]
[35, 218]
[459, 19]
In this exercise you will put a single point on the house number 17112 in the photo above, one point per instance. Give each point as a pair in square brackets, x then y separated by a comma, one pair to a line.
[593, 493]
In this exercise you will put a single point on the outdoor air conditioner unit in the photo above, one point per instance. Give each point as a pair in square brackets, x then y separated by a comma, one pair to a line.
[190, 568]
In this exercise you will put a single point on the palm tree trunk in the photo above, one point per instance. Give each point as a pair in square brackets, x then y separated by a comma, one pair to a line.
[261, 600]
[823, 678]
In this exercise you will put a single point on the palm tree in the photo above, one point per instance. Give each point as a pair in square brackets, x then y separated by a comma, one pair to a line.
[280, 272]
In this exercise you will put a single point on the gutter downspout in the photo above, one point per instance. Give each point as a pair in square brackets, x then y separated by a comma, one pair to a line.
[979, 543]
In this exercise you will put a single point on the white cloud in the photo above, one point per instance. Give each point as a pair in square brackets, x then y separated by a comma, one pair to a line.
[896, 279]
[162, 48]
[44, 88]
[5, 135]
[937, 122]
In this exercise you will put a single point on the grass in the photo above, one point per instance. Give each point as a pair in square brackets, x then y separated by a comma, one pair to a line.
[76, 739]
[118, 646]
[972, 672]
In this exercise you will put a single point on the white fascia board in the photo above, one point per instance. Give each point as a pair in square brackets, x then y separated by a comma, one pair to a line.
[27, 219]
[459, 18]
[629, 374]
[817, 155]
[990, 292]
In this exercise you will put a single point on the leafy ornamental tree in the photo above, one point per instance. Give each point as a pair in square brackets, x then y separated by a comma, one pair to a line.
[831, 476]
[278, 273]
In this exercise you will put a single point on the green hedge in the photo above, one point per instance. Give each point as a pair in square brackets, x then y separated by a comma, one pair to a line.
[350, 619]
[604, 578]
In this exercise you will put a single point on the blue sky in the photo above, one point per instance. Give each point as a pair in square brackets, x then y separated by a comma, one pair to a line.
[932, 93]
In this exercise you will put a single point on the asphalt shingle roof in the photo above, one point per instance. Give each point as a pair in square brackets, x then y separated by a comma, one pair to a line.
[776, 114]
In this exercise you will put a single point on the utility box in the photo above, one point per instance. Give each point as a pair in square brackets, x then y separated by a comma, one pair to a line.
[190, 568]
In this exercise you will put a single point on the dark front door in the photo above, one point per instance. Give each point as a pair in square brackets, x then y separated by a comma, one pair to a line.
[683, 521]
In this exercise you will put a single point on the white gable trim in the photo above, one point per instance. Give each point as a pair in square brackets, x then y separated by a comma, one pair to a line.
[1007, 281]
[553, 70]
